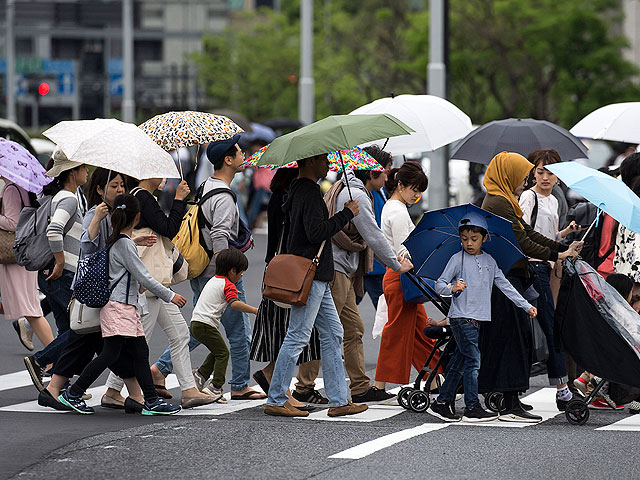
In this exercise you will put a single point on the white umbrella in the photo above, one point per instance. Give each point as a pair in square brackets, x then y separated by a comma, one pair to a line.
[114, 145]
[618, 122]
[436, 122]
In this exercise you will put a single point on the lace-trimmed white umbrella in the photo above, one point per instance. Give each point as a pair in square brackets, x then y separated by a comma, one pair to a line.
[113, 145]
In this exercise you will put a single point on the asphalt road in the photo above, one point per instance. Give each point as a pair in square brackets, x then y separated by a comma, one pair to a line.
[238, 441]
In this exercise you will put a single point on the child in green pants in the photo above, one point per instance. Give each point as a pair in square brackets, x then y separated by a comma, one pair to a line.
[217, 294]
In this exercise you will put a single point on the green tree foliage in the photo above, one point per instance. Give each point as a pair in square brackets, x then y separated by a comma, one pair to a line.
[547, 59]
[252, 68]
[543, 59]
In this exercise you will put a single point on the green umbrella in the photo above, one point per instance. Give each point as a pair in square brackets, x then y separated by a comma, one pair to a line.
[331, 134]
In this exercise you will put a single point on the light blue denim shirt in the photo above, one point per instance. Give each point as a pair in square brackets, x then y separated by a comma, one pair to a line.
[480, 273]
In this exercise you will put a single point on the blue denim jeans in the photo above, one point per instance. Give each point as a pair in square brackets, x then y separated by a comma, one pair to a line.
[464, 364]
[321, 312]
[556, 366]
[58, 293]
[238, 330]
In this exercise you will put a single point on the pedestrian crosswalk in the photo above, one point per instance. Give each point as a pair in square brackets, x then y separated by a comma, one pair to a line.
[543, 401]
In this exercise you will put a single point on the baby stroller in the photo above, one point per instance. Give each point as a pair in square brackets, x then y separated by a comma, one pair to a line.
[416, 398]
[601, 332]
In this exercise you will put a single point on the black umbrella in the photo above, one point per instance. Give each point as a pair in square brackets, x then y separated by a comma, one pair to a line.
[520, 135]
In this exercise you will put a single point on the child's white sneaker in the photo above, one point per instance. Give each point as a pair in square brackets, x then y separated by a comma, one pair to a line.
[215, 392]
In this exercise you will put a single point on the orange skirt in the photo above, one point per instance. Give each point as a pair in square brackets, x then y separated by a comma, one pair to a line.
[403, 342]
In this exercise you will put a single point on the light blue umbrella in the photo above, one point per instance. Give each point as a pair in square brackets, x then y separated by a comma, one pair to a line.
[606, 192]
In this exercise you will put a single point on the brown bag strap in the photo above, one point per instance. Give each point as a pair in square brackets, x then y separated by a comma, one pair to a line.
[316, 259]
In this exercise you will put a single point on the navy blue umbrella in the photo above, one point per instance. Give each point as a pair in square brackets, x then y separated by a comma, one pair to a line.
[435, 240]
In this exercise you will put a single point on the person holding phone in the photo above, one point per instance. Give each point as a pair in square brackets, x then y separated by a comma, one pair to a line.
[540, 211]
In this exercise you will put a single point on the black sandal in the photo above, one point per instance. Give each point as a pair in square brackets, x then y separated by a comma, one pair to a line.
[162, 391]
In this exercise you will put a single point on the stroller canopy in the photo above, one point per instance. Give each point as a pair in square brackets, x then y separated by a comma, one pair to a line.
[597, 326]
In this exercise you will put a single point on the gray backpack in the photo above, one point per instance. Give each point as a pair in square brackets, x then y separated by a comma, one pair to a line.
[31, 247]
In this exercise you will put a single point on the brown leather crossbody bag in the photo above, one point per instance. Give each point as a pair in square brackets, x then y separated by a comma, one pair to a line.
[288, 278]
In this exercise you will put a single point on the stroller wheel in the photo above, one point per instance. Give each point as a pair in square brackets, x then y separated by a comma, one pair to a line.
[494, 401]
[577, 412]
[419, 401]
[403, 396]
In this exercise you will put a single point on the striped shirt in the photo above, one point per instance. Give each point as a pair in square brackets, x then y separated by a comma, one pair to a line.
[65, 228]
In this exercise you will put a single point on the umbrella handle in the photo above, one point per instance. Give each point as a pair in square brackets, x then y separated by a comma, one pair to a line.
[179, 163]
[104, 195]
[344, 172]
[590, 227]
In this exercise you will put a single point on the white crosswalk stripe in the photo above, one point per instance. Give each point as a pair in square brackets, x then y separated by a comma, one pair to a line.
[543, 401]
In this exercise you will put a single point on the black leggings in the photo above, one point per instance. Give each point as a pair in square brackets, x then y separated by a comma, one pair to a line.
[112, 349]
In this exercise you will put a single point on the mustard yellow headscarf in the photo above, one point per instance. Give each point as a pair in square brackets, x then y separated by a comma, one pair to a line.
[505, 172]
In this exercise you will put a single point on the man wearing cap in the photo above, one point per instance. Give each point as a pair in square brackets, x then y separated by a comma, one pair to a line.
[221, 212]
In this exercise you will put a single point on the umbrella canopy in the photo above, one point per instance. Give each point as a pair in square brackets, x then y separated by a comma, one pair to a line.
[435, 121]
[173, 130]
[521, 135]
[22, 168]
[352, 159]
[114, 145]
[619, 122]
[238, 118]
[259, 133]
[337, 132]
[605, 192]
[435, 239]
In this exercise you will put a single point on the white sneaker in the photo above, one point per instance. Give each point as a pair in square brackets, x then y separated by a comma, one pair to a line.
[215, 392]
[201, 382]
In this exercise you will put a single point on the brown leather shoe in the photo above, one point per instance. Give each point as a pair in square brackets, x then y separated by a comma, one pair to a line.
[348, 409]
[191, 402]
[286, 410]
[108, 402]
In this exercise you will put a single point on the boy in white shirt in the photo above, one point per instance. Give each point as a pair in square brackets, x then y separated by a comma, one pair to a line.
[217, 294]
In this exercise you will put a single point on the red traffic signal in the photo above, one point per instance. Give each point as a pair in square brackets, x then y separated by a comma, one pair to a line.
[43, 88]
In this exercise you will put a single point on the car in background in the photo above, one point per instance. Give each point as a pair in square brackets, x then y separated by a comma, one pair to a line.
[12, 131]
[44, 149]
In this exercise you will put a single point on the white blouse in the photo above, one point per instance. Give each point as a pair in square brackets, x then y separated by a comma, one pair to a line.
[547, 219]
[396, 224]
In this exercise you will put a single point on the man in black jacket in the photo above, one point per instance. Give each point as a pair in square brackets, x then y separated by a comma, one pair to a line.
[310, 232]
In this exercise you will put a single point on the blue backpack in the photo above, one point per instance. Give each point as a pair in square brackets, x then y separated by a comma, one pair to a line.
[92, 279]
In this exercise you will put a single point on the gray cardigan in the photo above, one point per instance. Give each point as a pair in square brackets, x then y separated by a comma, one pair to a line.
[125, 262]
[88, 246]
[365, 222]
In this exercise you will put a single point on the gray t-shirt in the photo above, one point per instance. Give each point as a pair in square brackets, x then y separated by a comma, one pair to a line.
[222, 212]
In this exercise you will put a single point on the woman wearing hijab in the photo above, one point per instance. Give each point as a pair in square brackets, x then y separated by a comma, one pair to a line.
[505, 342]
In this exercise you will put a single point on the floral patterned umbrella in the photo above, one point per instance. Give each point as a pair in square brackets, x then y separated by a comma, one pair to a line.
[22, 168]
[173, 130]
[351, 159]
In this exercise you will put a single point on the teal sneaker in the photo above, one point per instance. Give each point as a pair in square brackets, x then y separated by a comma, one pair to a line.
[160, 407]
[76, 403]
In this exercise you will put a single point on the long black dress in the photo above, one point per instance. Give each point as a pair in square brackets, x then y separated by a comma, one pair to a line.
[272, 321]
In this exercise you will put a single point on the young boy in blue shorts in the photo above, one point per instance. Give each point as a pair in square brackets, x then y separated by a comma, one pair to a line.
[472, 273]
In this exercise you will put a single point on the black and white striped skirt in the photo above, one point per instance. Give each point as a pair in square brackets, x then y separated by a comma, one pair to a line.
[269, 331]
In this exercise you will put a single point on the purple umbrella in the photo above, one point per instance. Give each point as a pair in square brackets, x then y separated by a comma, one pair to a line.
[22, 168]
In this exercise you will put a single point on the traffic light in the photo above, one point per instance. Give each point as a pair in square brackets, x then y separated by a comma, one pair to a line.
[43, 88]
[40, 85]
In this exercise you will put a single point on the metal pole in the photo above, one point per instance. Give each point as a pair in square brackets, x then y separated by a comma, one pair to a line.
[437, 85]
[128, 102]
[306, 103]
[11, 61]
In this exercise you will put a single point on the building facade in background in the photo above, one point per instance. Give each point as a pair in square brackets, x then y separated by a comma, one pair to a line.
[72, 49]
